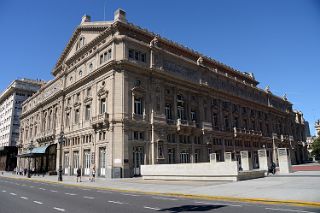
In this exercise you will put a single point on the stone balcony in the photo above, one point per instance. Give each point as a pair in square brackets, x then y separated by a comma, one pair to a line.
[244, 132]
[185, 124]
[100, 120]
[206, 126]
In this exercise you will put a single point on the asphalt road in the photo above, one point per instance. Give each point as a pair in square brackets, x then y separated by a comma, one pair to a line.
[34, 197]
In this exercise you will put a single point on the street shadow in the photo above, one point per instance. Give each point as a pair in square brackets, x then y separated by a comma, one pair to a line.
[192, 208]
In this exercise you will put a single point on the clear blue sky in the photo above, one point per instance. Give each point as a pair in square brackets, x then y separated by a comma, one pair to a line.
[279, 41]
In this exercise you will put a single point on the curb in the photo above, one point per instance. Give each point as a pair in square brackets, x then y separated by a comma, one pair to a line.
[189, 196]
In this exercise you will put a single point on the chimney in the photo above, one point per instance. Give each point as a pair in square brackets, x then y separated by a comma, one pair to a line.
[120, 15]
[85, 18]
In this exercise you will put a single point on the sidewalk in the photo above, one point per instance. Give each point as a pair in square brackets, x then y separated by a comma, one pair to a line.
[298, 188]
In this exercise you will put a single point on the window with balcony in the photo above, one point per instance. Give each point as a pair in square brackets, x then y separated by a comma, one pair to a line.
[193, 115]
[168, 111]
[137, 55]
[180, 107]
[138, 135]
[138, 107]
[103, 106]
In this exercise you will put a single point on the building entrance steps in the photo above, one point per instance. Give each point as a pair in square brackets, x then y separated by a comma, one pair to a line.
[297, 188]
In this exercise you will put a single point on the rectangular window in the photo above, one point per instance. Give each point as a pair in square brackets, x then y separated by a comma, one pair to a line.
[103, 106]
[168, 111]
[138, 106]
[193, 115]
[88, 112]
[68, 119]
[89, 92]
[77, 116]
[131, 53]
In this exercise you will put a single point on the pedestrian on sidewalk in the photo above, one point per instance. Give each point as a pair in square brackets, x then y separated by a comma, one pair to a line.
[93, 173]
[79, 174]
[272, 169]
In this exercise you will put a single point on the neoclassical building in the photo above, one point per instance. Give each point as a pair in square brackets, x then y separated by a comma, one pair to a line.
[123, 96]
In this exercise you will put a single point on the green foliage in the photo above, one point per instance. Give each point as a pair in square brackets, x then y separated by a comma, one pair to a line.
[316, 148]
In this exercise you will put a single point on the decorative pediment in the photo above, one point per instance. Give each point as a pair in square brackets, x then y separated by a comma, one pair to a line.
[89, 31]
[87, 99]
[138, 89]
[68, 108]
[77, 104]
[102, 91]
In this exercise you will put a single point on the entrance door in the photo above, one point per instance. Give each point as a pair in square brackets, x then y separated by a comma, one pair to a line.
[102, 161]
[138, 160]
[86, 162]
[75, 162]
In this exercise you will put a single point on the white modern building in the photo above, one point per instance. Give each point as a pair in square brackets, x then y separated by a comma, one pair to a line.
[11, 100]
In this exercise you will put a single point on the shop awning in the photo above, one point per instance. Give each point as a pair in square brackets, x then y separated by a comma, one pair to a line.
[35, 151]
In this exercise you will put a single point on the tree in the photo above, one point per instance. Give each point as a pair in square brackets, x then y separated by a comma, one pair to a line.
[316, 148]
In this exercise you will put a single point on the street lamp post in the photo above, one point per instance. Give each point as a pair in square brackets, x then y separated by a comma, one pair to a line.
[60, 141]
[30, 149]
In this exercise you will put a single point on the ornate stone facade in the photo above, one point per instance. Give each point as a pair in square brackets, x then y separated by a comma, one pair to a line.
[124, 96]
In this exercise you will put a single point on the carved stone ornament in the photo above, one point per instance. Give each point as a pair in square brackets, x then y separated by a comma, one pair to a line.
[154, 42]
[285, 97]
[102, 91]
[200, 61]
[267, 89]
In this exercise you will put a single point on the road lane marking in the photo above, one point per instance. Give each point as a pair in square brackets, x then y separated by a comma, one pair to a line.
[219, 204]
[164, 198]
[25, 198]
[59, 209]
[70, 194]
[133, 195]
[53, 191]
[152, 208]
[31, 186]
[289, 210]
[87, 197]
[4, 191]
[13, 194]
[42, 189]
[116, 202]
[86, 189]
[37, 202]
[105, 192]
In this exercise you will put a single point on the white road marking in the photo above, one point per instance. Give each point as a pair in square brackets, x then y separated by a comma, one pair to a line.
[23, 185]
[59, 209]
[289, 210]
[87, 197]
[53, 191]
[17, 184]
[4, 191]
[133, 195]
[25, 198]
[152, 208]
[116, 202]
[70, 194]
[105, 192]
[13, 194]
[37, 202]
[164, 198]
[31, 186]
[42, 189]
[219, 204]
[86, 189]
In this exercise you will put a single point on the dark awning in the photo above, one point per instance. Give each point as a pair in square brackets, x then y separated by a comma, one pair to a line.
[35, 151]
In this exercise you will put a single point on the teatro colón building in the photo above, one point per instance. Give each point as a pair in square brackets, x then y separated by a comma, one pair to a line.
[122, 96]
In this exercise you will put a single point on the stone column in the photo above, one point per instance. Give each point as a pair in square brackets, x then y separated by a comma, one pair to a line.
[246, 162]
[284, 160]
[213, 158]
[263, 159]
[227, 156]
